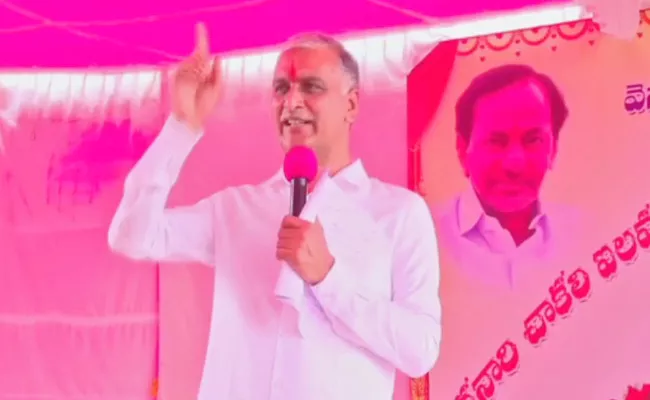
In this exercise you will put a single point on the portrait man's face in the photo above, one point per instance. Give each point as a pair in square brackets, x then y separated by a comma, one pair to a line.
[313, 99]
[511, 146]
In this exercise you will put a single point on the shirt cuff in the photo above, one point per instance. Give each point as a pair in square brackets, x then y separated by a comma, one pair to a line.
[336, 286]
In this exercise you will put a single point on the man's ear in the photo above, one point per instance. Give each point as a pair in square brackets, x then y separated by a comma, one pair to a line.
[353, 105]
[461, 150]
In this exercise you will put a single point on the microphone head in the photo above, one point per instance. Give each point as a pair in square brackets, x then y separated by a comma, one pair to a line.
[300, 162]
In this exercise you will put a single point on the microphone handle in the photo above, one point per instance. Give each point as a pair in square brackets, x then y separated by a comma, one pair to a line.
[299, 188]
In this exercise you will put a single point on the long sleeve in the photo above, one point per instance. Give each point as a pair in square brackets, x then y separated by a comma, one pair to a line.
[406, 329]
[142, 227]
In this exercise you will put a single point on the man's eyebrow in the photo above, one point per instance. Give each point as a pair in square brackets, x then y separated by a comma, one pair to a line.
[280, 80]
[312, 79]
[534, 130]
[309, 79]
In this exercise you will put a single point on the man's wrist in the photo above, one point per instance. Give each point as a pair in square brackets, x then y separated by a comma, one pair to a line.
[193, 124]
[328, 267]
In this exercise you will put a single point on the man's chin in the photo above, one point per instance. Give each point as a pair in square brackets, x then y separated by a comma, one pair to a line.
[301, 140]
[512, 203]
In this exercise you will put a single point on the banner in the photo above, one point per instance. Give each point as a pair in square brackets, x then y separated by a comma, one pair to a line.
[531, 149]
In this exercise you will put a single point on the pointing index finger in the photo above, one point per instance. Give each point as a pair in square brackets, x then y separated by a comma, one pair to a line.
[202, 41]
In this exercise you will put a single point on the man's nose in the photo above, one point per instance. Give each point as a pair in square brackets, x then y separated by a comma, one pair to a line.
[514, 158]
[293, 98]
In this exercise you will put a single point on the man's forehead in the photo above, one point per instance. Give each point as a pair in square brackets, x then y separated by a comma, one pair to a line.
[525, 99]
[304, 60]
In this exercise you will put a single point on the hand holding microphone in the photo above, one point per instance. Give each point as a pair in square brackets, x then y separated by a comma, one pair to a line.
[301, 244]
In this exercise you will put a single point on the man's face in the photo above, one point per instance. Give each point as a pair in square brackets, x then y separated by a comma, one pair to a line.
[511, 146]
[314, 102]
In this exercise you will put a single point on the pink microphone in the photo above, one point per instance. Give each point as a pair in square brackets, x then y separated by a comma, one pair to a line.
[300, 168]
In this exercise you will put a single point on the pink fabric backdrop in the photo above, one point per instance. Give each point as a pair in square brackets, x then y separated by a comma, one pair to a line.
[75, 320]
[127, 32]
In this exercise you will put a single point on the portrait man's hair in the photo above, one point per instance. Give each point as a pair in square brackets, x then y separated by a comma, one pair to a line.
[501, 77]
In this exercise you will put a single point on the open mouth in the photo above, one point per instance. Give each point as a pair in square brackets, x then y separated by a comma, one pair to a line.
[295, 122]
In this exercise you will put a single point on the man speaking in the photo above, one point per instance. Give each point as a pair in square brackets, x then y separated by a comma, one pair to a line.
[378, 316]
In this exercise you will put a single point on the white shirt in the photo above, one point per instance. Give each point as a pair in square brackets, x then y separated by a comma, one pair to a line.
[484, 250]
[373, 318]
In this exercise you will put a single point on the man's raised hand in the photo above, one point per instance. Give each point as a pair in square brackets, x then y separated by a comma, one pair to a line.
[197, 83]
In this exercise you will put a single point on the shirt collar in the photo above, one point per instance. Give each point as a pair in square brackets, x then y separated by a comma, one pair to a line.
[471, 213]
[354, 176]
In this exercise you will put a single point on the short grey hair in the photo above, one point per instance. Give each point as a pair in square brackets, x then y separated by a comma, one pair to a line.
[315, 40]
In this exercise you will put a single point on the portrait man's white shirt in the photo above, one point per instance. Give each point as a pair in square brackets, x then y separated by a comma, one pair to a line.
[484, 250]
[368, 320]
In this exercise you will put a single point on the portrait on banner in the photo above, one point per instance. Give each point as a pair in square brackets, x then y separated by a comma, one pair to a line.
[509, 122]
[530, 164]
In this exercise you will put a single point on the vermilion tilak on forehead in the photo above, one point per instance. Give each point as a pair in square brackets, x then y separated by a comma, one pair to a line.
[293, 72]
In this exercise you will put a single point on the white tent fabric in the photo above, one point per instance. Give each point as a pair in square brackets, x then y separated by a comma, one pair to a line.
[618, 18]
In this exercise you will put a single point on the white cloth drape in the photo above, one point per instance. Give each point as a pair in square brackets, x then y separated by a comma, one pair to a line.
[619, 18]
[75, 320]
